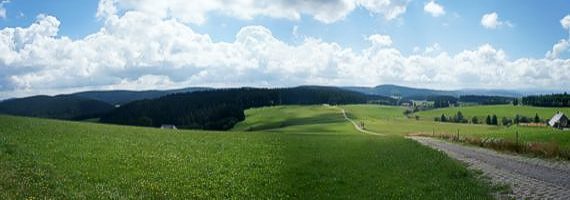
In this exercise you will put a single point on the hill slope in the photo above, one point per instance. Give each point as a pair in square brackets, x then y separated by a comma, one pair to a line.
[50, 159]
[421, 94]
[58, 107]
[120, 97]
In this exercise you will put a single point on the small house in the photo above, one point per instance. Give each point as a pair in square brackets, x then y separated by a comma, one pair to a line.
[167, 126]
[560, 120]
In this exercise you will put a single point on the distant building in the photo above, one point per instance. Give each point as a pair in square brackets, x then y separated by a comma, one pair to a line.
[168, 126]
[560, 120]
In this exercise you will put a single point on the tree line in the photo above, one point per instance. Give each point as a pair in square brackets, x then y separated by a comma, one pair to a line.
[554, 100]
[486, 100]
[489, 119]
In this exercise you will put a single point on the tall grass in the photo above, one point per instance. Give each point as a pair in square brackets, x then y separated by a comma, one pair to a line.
[541, 149]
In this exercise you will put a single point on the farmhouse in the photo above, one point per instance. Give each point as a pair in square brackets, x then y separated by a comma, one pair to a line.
[559, 121]
[167, 126]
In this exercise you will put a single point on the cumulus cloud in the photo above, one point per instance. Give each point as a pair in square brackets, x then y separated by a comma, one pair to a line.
[434, 9]
[380, 40]
[35, 59]
[188, 11]
[558, 48]
[564, 44]
[492, 21]
[565, 22]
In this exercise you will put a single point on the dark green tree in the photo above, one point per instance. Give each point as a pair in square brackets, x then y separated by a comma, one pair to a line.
[536, 118]
[459, 117]
[488, 120]
[443, 118]
[494, 120]
[475, 120]
[506, 121]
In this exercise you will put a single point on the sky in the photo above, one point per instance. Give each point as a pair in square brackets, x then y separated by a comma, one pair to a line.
[63, 46]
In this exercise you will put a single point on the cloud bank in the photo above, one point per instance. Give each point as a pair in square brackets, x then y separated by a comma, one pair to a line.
[191, 11]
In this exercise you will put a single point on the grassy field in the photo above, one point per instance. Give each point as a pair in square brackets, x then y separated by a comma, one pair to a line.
[501, 111]
[385, 119]
[296, 152]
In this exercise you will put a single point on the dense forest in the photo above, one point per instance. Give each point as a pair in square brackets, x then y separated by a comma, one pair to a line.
[56, 107]
[554, 100]
[443, 101]
[222, 109]
[486, 100]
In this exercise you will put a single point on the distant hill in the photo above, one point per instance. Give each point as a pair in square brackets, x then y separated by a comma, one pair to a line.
[120, 97]
[422, 94]
[57, 107]
[401, 91]
[221, 109]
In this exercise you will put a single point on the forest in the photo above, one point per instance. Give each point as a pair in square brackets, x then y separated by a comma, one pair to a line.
[486, 100]
[553, 100]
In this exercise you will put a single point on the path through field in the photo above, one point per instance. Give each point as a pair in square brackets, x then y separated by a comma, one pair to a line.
[529, 178]
[358, 127]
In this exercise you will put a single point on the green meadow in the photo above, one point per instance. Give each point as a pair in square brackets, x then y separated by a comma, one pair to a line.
[387, 119]
[501, 111]
[299, 152]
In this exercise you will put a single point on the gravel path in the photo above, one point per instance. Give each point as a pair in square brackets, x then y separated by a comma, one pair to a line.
[358, 127]
[529, 178]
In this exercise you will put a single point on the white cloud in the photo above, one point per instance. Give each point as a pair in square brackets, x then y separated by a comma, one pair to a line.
[434, 9]
[391, 9]
[563, 45]
[558, 48]
[565, 22]
[35, 59]
[189, 11]
[380, 40]
[492, 21]
[2, 9]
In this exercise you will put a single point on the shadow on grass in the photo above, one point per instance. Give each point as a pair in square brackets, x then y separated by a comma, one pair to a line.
[327, 118]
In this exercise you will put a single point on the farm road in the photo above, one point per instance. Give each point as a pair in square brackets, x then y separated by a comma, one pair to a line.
[358, 127]
[529, 178]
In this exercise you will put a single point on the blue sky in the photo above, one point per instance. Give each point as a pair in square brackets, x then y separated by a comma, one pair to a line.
[523, 33]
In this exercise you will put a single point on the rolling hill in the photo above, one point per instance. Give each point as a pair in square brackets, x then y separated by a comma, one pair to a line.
[120, 97]
[57, 107]
[421, 93]
[313, 154]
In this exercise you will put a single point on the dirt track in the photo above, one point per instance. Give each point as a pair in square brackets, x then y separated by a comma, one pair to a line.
[358, 127]
[529, 178]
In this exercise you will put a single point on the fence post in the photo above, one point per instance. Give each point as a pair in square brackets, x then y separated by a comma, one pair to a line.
[457, 137]
[517, 142]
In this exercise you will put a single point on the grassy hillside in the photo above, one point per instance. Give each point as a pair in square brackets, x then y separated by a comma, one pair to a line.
[305, 153]
[385, 119]
[500, 110]
[57, 107]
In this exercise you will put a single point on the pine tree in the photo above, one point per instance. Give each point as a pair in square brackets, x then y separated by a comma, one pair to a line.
[459, 116]
[475, 120]
[494, 120]
[443, 118]
[536, 118]
[488, 120]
